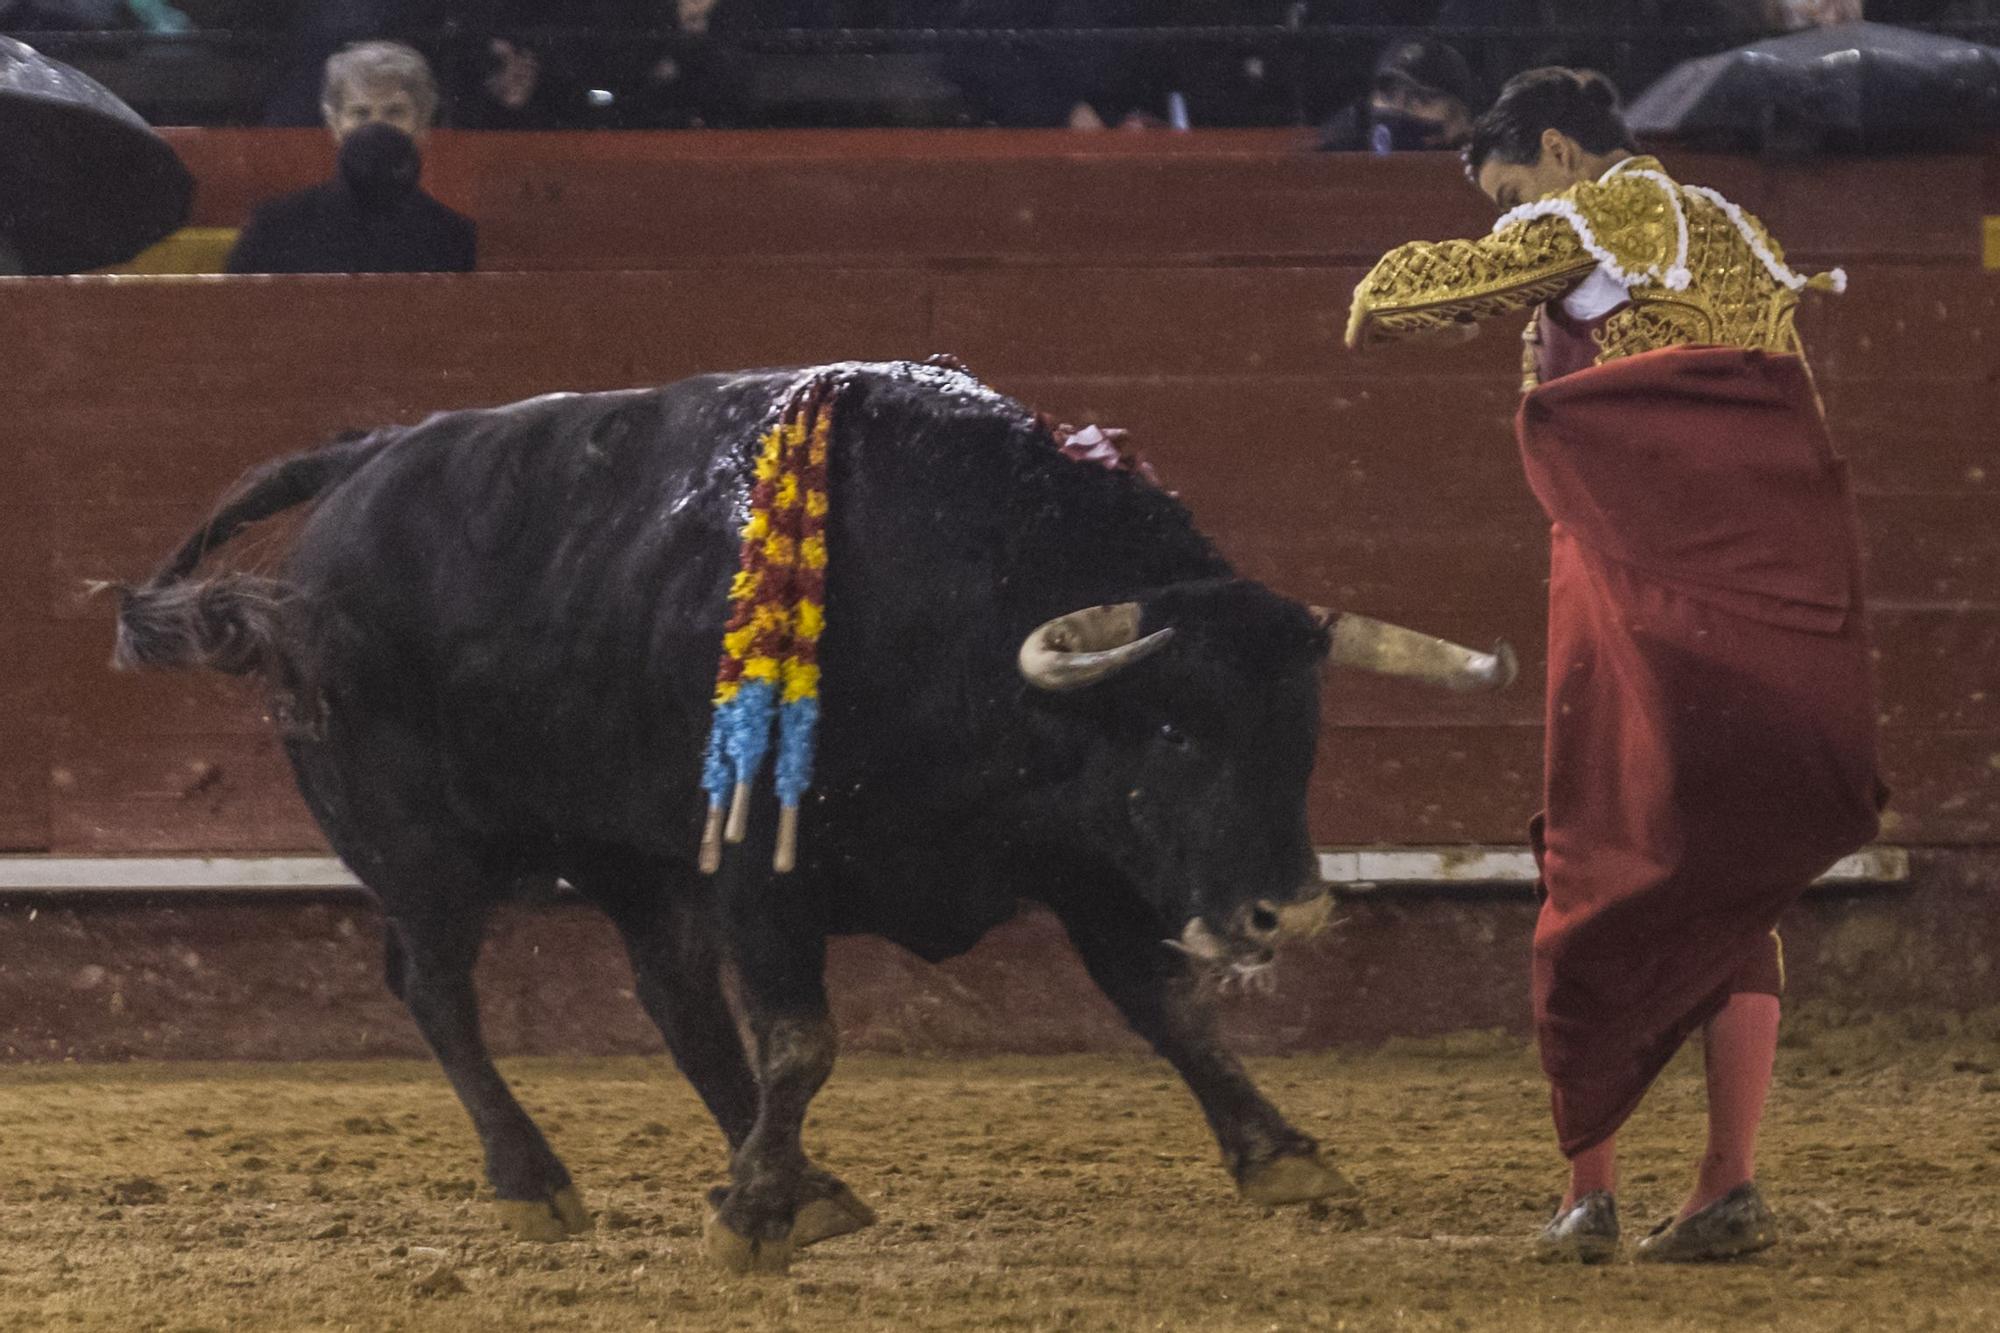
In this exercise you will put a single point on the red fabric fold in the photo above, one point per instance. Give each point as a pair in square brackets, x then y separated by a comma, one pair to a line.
[1711, 701]
[1705, 467]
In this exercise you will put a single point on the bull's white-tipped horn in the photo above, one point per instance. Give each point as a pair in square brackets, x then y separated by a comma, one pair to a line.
[1391, 650]
[1084, 646]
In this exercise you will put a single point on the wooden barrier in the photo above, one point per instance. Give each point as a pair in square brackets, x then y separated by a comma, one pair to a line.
[240, 979]
[1148, 300]
[684, 199]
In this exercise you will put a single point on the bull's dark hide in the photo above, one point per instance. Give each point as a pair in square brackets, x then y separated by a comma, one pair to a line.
[538, 590]
[496, 637]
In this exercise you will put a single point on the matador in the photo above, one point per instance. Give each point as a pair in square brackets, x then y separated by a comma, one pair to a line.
[1711, 715]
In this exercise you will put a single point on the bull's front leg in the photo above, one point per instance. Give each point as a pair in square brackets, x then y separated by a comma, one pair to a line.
[1166, 1002]
[780, 958]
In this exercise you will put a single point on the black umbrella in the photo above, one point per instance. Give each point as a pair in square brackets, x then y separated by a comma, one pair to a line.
[1852, 84]
[84, 182]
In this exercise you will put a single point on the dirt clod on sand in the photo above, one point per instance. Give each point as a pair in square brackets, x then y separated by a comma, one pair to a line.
[1077, 1192]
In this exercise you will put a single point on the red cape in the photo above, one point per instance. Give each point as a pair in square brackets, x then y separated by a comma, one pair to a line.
[1711, 702]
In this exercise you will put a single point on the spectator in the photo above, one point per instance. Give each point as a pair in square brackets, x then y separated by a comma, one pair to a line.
[379, 101]
[1423, 96]
[499, 73]
[495, 78]
[1065, 79]
[700, 80]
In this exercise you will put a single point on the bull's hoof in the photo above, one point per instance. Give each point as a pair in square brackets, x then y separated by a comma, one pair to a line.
[1300, 1178]
[551, 1219]
[835, 1214]
[733, 1252]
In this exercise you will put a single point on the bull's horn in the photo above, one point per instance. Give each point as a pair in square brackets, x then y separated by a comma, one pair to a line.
[1072, 651]
[1391, 650]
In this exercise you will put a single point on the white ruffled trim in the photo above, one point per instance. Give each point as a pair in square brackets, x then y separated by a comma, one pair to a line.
[1676, 278]
[1570, 213]
[1778, 270]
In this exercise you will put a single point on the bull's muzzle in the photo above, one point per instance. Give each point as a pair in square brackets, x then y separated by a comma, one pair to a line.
[1247, 947]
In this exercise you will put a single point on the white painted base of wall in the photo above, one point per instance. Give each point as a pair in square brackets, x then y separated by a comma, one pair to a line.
[1404, 866]
[1357, 869]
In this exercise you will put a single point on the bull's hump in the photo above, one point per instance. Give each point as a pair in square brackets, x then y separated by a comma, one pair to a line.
[930, 377]
[948, 381]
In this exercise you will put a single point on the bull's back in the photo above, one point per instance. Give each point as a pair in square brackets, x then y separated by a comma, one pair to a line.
[535, 592]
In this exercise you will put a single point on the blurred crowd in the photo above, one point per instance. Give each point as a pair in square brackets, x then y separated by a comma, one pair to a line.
[1086, 64]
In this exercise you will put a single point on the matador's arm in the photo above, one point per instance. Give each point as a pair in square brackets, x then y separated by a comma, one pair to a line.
[1426, 286]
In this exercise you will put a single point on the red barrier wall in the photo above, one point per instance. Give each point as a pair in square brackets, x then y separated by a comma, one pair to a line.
[1193, 290]
[654, 200]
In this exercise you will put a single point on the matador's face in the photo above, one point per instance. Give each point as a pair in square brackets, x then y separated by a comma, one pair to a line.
[1563, 162]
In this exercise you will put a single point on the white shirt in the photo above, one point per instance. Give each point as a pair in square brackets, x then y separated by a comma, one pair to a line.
[1600, 293]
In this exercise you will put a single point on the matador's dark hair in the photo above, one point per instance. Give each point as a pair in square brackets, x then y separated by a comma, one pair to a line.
[1578, 102]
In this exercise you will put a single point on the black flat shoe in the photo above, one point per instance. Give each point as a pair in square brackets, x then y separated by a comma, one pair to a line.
[1586, 1233]
[1734, 1225]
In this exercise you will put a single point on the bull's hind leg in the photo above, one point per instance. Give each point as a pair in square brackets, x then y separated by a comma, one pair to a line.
[1159, 995]
[430, 958]
[378, 792]
[667, 920]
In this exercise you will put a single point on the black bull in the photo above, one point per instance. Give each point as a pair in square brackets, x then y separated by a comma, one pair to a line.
[492, 648]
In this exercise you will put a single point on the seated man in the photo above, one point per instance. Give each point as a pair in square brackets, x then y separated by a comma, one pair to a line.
[379, 99]
[1423, 95]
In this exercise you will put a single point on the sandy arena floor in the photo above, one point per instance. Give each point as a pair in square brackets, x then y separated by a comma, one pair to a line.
[1075, 1192]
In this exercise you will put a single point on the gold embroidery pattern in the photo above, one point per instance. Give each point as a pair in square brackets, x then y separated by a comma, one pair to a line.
[1427, 285]
[1645, 325]
[1731, 298]
[1632, 217]
[1732, 301]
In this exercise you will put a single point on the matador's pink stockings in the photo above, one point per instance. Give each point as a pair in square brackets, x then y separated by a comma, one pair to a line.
[1739, 1044]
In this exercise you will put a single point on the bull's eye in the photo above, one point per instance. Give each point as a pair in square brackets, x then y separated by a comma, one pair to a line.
[1173, 736]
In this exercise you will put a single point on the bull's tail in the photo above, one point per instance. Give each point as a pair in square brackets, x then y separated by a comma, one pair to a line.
[231, 622]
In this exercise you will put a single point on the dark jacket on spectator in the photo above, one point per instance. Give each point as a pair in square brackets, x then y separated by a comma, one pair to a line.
[370, 218]
[322, 230]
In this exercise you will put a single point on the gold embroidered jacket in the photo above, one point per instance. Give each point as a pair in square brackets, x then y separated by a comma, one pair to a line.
[1694, 267]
